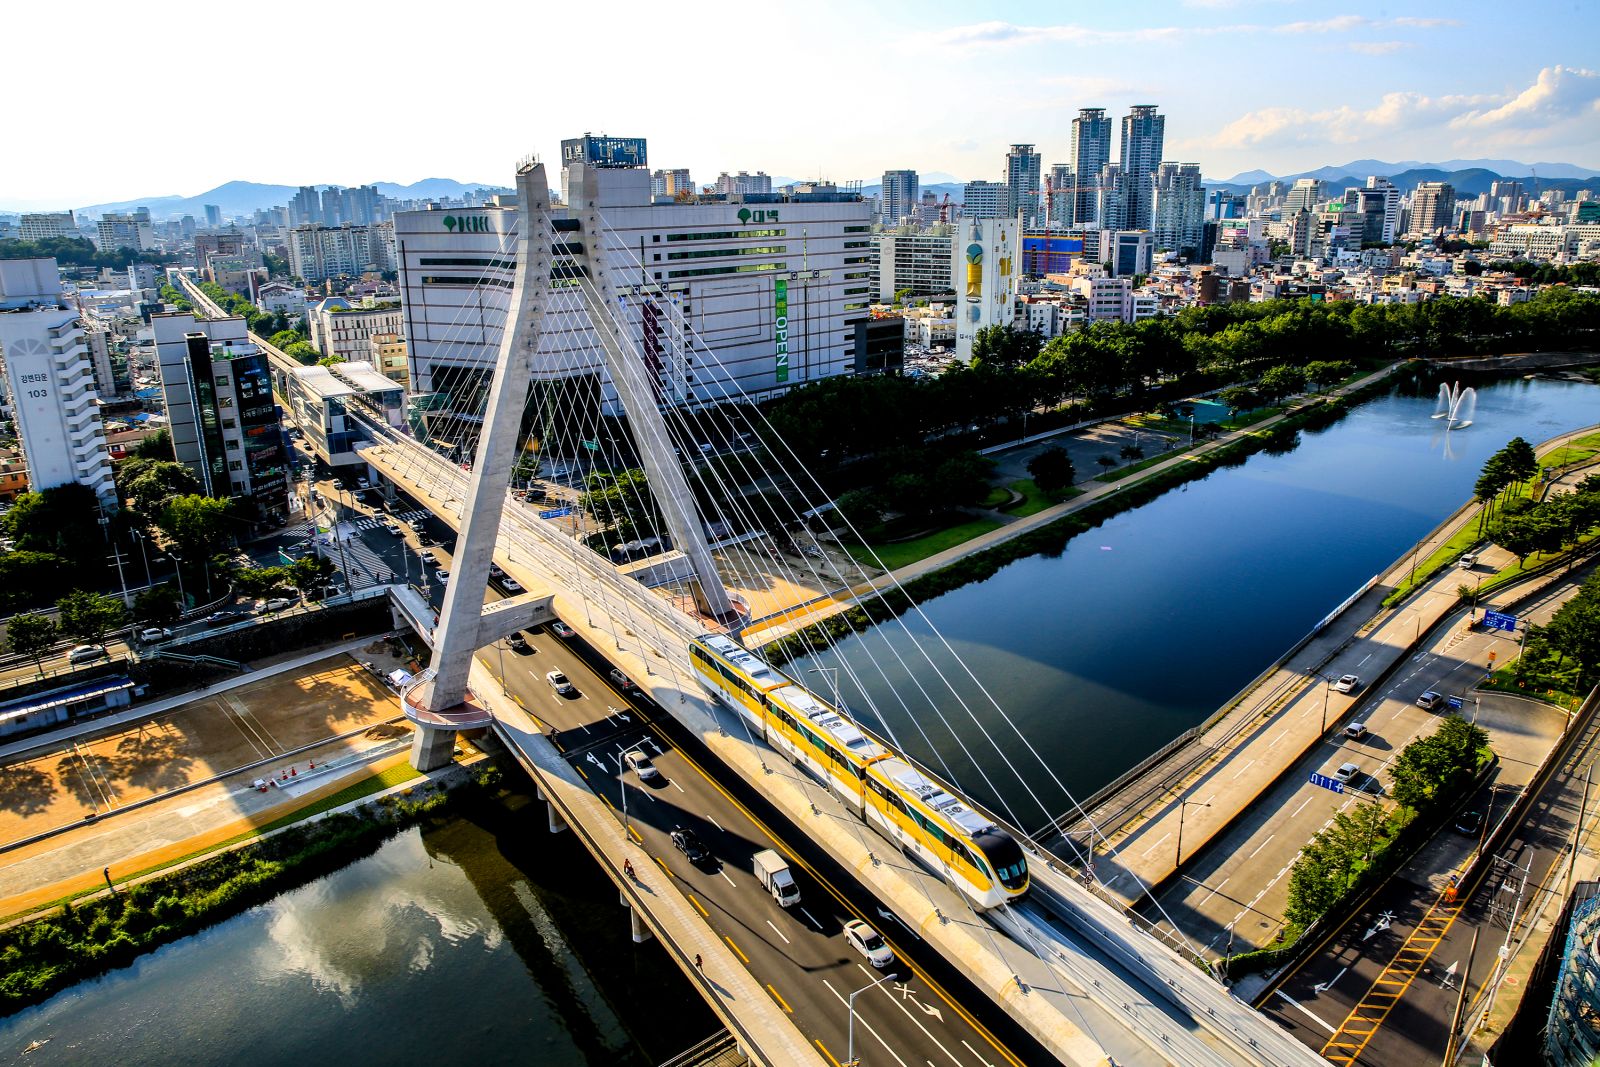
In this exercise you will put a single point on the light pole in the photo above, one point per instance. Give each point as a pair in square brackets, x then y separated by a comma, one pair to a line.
[850, 1042]
[140, 537]
[1183, 805]
[1327, 687]
[832, 674]
[177, 569]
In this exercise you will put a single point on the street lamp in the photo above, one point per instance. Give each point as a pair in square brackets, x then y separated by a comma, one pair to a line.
[1327, 687]
[832, 674]
[177, 569]
[1183, 805]
[850, 1043]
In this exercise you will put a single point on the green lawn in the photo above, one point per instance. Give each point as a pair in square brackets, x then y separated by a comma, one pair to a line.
[1250, 418]
[1035, 500]
[1118, 473]
[897, 555]
[997, 496]
[1579, 450]
[1542, 682]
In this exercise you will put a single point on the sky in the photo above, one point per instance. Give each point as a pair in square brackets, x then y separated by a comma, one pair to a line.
[315, 93]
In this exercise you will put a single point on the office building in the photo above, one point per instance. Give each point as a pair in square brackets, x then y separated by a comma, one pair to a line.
[345, 332]
[1391, 205]
[213, 216]
[1091, 150]
[1143, 140]
[1110, 199]
[50, 380]
[985, 200]
[984, 259]
[728, 271]
[130, 230]
[317, 253]
[899, 195]
[1305, 195]
[1178, 208]
[1129, 252]
[1049, 251]
[1506, 197]
[671, 182]
[387, 353]
[1022, 184]
[919, 262]
[1059, 195]
[220, 411]
[1433, 208]
[43, 225]
[744, 183]
[305, 207]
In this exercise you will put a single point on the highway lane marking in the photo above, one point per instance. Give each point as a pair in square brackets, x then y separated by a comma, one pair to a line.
[1303, 803]
[812, 918]
[1241, 770]
[906, 994]
[779, 932]
[1157, 845]
[1261, 846]
[869, 1027]
[826, 1053]
[715, 823]
[1213, 892]
[635, 834]
[782, 1003]
[975, 1052]
[664, 866]
[736, 949]
[698, 906]
[1365, 658]
[725, 878]
[675, 785]
[1295, 1003]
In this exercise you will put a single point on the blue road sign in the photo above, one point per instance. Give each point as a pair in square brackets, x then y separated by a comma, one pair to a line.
[1498, 620]
[1454, 702]
[1327, 783]
[555, 513]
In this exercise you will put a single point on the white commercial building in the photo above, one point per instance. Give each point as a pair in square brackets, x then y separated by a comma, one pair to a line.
[43, 225]
[984, 258]
[126, 231]
[50, 379]
[773, 290]
[899, 196]
[985, 200]
[916, 261]
[317, 253]
[337, 329]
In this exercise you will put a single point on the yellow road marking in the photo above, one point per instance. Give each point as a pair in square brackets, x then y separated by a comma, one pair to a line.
[781, 1002]
[580, 771]
[664, 866]
[607, 799]
[735, 948]
[698, 906]
[826, 1053]
[635, 834]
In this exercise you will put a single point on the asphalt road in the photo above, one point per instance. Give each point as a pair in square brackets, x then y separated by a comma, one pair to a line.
[926, 1015]
[1318, 997]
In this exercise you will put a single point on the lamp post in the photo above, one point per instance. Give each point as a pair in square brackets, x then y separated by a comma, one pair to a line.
[140, 537]
[1182, 807]
[832, 674]
[850, 1042]
[177, 569]
[1327, 687]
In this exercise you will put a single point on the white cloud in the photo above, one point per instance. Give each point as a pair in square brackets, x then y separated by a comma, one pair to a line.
[1000, 34]
[1558, 94]
[1377, 48]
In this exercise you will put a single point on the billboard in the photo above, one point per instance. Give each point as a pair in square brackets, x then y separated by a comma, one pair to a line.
[603, 151]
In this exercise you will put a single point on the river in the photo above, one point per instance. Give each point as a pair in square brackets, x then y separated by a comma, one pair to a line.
[1144, 626]
[483, 941]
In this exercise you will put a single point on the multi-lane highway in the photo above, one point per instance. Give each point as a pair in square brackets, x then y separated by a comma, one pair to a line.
[924, 1015]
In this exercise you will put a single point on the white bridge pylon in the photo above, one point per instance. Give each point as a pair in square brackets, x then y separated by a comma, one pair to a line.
[439, 703]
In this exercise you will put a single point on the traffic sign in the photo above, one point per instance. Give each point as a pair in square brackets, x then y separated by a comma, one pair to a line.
[1499, 620]
[1454, 702]
[1327, 783]
[555, 513]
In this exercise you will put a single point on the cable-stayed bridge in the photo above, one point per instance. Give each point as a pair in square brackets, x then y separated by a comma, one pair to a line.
[1085, 980]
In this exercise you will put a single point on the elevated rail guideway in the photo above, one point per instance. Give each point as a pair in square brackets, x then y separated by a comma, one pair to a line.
[1081, 977]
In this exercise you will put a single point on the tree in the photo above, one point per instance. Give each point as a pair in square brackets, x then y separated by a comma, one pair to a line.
[90, 616]
[199, 525]
[260, 581]
[303, 352]
[1005, 346]
[862, 507]
[157, 445]
[1437, 766]
[157, 605]
[1279, 382]
[310, 572]
[1106, 461]
[1240, 398]
[1052, 469]
[32, 636]
[1326, 372]
[62, 521]
[621, 501]
[962, 478]
[148, 484]
[1131, 452]
[30, 579]
[901, 295]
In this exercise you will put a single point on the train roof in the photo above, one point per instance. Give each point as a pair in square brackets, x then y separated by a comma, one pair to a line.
[934, 795]
[758, 669]
[801, 701]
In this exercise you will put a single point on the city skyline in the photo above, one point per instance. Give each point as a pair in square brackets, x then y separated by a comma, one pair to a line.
[1362, 83]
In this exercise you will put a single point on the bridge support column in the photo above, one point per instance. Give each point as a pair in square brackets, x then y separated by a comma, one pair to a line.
[432, 747]
[556, 823]
[641, 933]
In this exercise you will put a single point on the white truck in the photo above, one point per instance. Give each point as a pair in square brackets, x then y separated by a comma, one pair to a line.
[773, 873]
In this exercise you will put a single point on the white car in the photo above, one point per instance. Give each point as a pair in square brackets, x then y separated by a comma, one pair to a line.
[1346, 772]
[869, 943]
[443, 575]
[559, 683]
[1347, 683]
[561, 629]
[641, 764]
[1356, 731]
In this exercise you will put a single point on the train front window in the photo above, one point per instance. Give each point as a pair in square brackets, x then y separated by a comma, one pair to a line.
[1005, 856]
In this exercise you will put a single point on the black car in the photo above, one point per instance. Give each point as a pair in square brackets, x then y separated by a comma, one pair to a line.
[519, 644]
[1470, 823]
[688, 842]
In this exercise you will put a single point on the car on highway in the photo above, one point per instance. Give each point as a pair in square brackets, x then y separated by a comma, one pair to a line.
[509, 584]
[1347, 683]
[1430, 700]
[151, 634]
[443, 575]
[220, 617]
[415, 524]
[641, 764]
[560, 683]
[1356, 731]
[1468, 561]
[392, 530]
[277, 603]
[561, 629]
[1469, 823]
[86, 653]
[1346, 772]
[867, 941]
[688, 842]
[519, 644]
[431, 556]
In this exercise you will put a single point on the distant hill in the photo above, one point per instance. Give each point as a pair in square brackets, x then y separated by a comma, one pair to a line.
[1469, 176]
[244, 198]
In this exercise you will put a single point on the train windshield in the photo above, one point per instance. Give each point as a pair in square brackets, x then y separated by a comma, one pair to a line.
[1005, 856]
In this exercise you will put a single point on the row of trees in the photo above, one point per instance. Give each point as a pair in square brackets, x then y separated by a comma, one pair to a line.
[277, 327]
[1429, 772]
[83, 616]
[1552, 525]
[1584, 272]
[1503, 473]
[79, 252]
[1573, 632]
[1012, 372]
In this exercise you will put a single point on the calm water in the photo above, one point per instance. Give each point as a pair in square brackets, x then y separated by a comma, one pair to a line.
[1143, 627]
[490, 941]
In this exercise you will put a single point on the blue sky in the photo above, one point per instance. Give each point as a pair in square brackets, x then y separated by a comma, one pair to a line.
[344, 93]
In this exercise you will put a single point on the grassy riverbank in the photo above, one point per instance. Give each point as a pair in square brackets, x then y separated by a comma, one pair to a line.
[41, 957]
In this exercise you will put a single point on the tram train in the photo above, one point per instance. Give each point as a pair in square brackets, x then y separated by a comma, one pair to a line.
[916, 812]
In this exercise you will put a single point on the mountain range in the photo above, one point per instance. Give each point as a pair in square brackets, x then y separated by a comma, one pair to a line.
[243, 198]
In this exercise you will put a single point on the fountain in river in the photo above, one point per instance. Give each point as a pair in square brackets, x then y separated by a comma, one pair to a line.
[1456, 406]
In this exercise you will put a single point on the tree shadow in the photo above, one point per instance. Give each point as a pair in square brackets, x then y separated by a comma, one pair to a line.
[26, 790]
[151, 761]
[71, 774]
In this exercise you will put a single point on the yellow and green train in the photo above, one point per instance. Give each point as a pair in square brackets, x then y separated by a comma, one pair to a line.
[916, 812]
